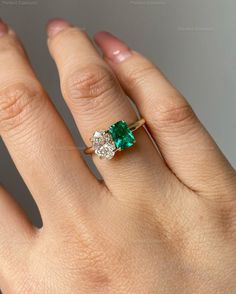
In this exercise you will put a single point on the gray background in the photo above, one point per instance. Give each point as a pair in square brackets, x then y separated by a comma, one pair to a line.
[193, 42]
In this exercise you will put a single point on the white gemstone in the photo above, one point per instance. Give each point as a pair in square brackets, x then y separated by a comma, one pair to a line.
[103, 144]
[98, 134]
[105, 151]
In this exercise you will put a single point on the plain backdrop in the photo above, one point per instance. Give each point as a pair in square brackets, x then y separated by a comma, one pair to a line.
[192, 41]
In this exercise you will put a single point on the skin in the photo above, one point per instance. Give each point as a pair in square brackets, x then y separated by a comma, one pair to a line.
[164, 218]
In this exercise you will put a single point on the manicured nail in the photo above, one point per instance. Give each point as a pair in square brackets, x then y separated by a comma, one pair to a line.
[56, 25]
[3, 28]
[113, 48]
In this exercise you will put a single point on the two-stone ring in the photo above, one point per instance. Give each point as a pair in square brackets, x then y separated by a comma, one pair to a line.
[105, 143]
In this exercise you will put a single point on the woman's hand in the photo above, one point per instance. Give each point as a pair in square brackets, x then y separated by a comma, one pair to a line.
[161, 222]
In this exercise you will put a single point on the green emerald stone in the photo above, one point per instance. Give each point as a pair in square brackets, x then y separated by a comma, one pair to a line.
[122, 135]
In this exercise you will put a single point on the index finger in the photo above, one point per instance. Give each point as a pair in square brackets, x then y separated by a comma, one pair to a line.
[37, 138]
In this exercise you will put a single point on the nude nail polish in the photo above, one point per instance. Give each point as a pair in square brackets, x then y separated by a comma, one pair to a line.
[113, 48]
[3, 28]
[56, 25]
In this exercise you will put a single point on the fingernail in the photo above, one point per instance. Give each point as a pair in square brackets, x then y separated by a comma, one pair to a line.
[56, 25]
[3, 28]
[113, 48]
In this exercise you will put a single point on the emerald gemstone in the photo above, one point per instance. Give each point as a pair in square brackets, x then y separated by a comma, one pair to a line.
[122, 135]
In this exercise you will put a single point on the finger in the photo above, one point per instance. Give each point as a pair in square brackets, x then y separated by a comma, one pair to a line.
[186, 146]
[16, 235]
[96, 100]
[37, 138]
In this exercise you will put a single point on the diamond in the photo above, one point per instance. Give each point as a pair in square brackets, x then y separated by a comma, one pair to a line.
[105, 151]
[103, 144]
[121, 135]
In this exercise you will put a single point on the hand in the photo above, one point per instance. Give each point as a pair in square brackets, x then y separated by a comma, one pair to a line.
[161, 222]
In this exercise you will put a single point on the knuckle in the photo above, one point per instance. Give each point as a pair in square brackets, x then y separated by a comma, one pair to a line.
[90, 82]
[17, 103]
[137, 76]
[175, 115]
[174, 110]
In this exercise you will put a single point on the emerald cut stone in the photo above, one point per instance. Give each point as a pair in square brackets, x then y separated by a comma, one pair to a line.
[122, 135]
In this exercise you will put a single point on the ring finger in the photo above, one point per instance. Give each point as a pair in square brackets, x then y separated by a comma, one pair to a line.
[96, 101]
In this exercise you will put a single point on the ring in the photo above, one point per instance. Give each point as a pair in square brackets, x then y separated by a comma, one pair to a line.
[105, 143]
